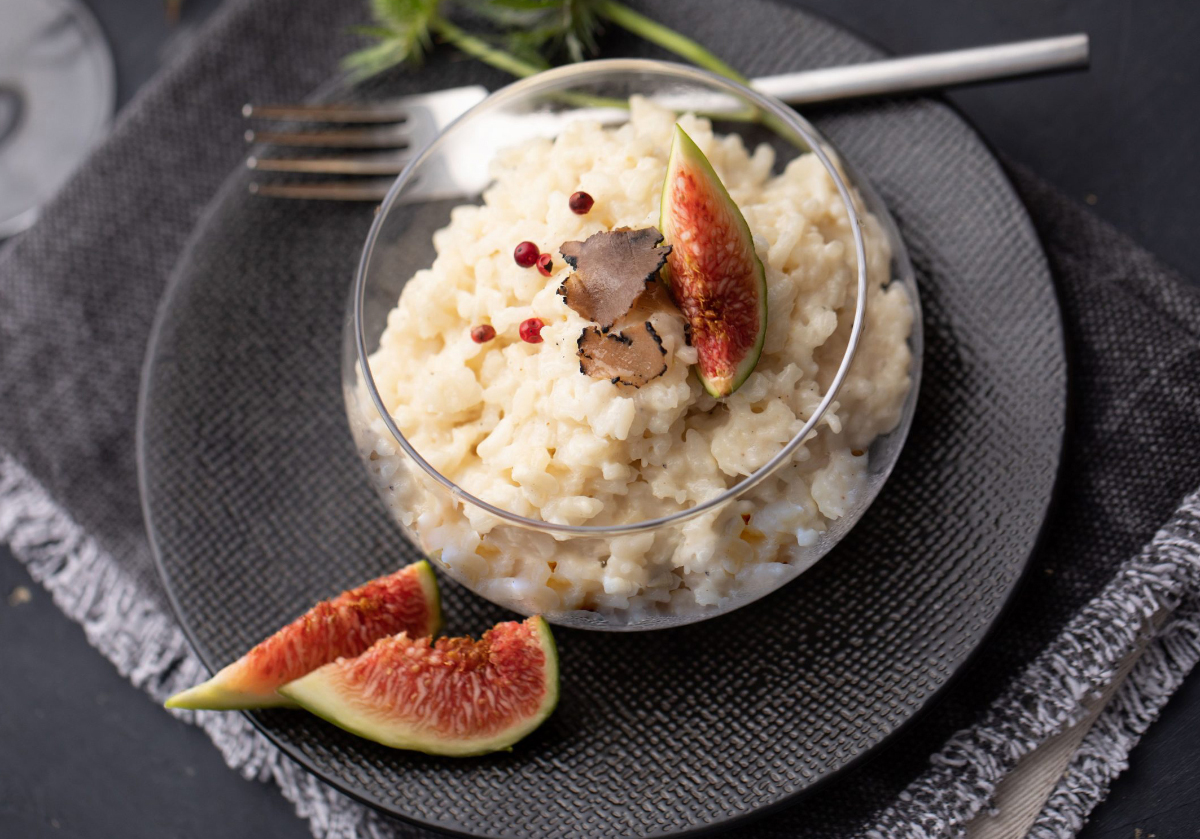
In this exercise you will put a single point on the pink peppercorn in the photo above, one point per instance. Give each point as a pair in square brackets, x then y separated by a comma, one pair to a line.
[545, 264]
[526, 254]
[581, 203]
[531, 330]
[483, 333]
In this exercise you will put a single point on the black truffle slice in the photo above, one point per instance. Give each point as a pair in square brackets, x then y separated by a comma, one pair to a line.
[633, 356]
[612, 269]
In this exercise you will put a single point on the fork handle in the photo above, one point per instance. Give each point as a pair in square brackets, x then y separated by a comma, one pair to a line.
[923, 72]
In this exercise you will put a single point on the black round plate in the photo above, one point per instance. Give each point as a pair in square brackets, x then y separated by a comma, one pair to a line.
[257, 504]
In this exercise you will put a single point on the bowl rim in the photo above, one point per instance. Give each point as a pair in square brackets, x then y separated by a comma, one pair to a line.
[816, 143]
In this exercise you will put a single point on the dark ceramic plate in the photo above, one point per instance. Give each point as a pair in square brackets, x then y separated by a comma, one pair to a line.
[257, 505]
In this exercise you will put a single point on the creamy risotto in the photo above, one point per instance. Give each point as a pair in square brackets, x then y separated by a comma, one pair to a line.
[518, 425]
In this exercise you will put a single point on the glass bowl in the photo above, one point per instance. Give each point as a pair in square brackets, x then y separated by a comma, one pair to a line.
[516, 564]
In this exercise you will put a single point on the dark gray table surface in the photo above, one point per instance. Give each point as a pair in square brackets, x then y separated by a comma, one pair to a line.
[84, 754]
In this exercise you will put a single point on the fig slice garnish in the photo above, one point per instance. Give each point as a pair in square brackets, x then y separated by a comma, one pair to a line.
[714, 273]
[612, 269]
[633, 356]
[453, 696]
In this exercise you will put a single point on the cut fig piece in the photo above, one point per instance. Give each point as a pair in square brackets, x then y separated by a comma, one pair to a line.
[612, 269]
[715, 277]
[404, 601]
[455, 697]
[633, 356]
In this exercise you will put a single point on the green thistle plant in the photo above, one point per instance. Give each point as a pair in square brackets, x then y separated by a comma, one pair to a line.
[524, 36]
[539, 30]
[401, 33]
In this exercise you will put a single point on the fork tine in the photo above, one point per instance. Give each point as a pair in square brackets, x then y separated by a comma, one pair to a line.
[359, 164]
[420, 117]
[365, 112]
[374, 189]
[357, 138]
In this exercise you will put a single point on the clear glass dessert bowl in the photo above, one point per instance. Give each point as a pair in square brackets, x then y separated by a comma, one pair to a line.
[681, 553]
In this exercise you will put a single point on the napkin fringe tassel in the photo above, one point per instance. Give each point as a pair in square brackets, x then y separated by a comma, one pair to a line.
[1052, 695]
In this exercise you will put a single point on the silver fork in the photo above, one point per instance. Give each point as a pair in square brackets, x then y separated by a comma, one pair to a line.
[396, 129]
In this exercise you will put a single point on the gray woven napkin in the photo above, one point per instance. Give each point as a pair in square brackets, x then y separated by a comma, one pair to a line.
[1096, 640]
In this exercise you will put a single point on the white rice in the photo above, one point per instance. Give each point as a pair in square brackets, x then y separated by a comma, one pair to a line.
[519, 426]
